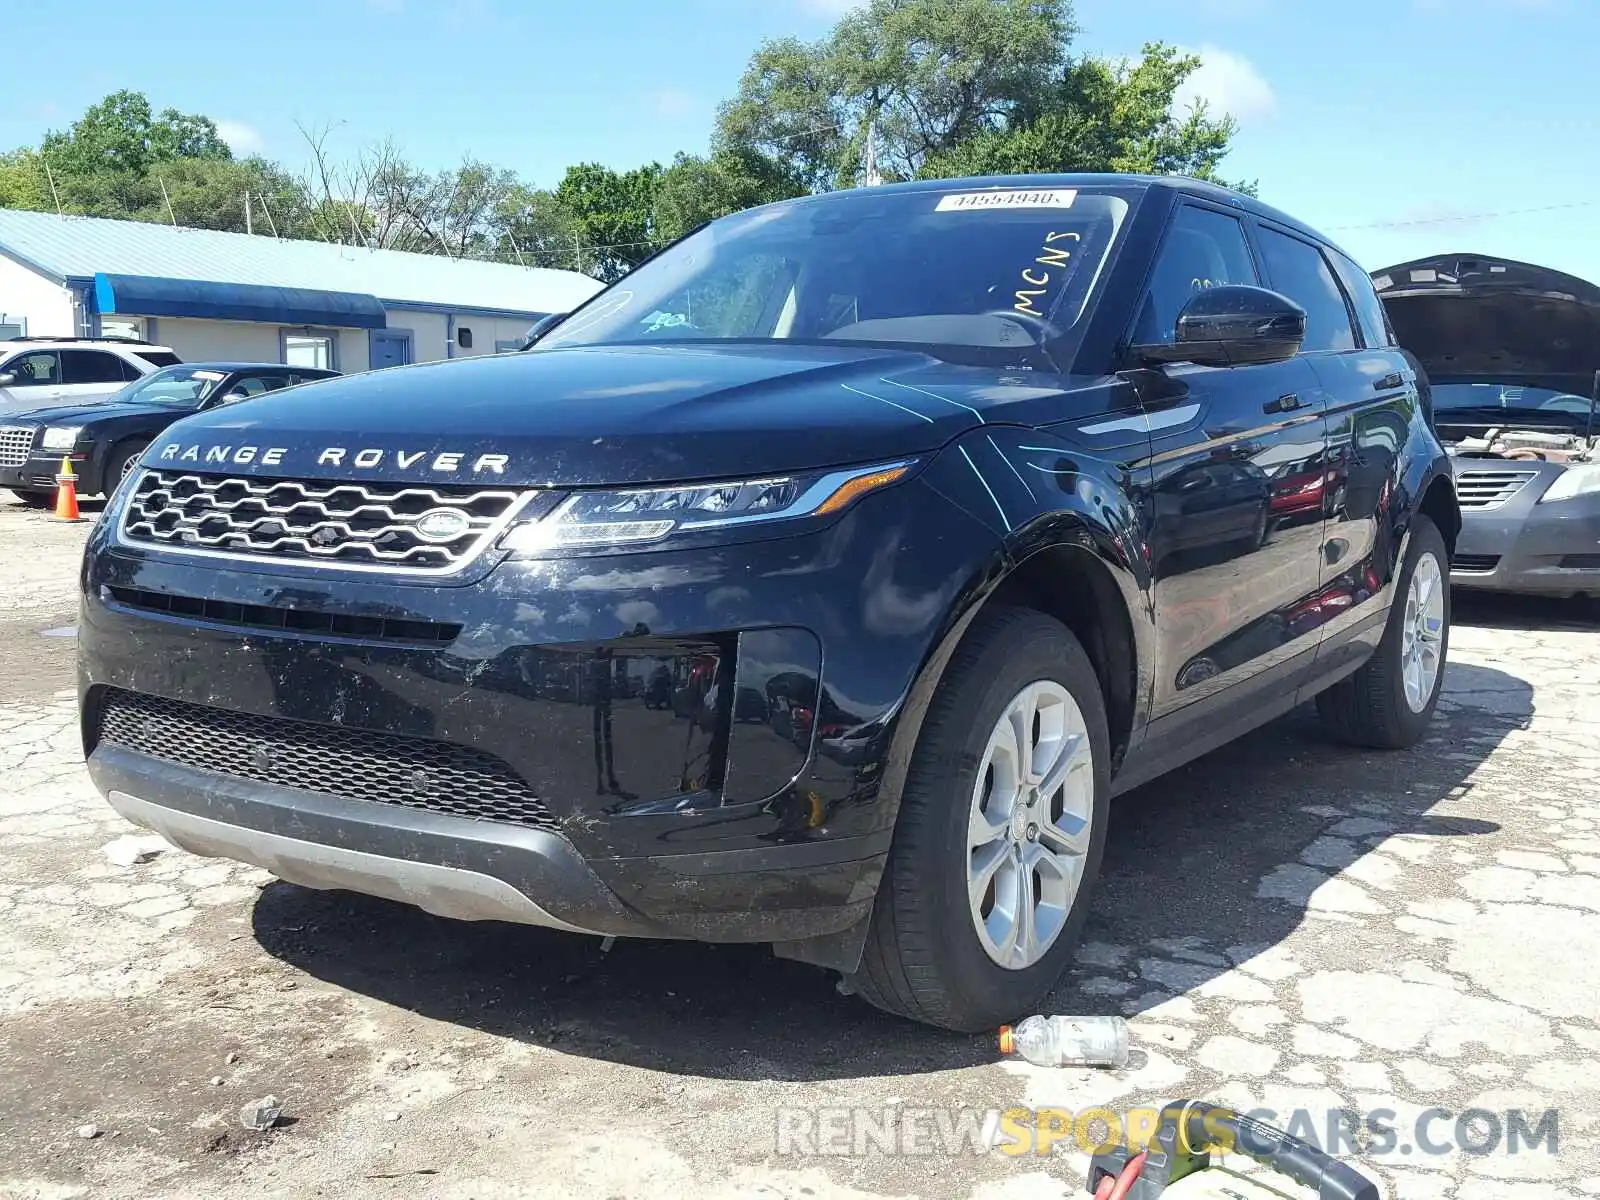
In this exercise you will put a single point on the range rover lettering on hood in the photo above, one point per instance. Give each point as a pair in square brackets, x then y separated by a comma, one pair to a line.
[453, 462]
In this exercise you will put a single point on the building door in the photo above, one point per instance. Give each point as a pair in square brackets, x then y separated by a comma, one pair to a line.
[389, 348]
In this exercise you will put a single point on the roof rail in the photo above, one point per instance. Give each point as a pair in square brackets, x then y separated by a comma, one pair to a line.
[125, 341]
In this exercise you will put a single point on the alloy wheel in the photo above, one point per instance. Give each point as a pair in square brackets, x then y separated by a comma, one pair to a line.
[1030, 822]
[1422, 635]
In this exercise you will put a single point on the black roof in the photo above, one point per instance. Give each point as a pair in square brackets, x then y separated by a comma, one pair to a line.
[1213, 192]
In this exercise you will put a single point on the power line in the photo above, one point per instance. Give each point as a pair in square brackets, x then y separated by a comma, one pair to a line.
[1488, 216]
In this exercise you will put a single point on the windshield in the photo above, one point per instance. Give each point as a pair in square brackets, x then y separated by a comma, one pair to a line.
[981, 277]
[181, 387]
[1447, 396]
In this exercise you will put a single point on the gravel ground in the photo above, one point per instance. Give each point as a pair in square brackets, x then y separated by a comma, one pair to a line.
[1286, 924]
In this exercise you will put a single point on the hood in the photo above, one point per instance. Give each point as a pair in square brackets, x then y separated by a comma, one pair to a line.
[1478, 319]
[83, 414]
[608, 415]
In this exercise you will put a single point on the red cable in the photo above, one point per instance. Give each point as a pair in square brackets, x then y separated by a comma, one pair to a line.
[1118, 1188]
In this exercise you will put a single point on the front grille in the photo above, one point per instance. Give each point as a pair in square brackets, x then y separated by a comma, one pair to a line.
[1489, 489]
[363, 526]
[1581, 562]
[16, 444]
[292, 620]
[1481, 564]
[356, 764]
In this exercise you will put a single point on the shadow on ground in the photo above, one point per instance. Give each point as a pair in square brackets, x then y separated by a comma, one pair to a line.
[1495, 610]
[1185, 859]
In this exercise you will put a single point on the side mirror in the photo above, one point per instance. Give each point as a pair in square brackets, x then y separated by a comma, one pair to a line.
[7, 378]
[542, 326]
[1233, 326]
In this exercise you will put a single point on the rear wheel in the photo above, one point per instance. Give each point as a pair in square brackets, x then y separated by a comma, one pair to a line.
[33, 499]
[1001, 828]
[1389, 702]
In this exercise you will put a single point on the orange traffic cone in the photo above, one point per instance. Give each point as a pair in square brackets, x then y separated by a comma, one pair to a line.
[67, 493]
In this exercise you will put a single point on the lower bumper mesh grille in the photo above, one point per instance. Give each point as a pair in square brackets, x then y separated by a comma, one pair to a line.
[355, 764]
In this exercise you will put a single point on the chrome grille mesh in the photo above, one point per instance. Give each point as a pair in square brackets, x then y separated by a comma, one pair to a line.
[352, 525]
[1489, 489]
[16, 444]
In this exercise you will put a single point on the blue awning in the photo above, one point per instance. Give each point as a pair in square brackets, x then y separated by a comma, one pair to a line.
[153, 296]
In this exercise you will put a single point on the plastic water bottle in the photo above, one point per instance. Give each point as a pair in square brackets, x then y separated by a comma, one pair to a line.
[1068, 1041]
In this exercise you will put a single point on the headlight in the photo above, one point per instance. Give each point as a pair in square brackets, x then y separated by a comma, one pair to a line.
[61, 437]
[1580, 479]
[642, 516]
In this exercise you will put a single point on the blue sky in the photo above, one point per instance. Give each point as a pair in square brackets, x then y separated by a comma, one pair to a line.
[1400, 127]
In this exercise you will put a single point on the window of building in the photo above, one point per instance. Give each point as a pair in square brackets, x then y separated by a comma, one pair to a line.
[1203, 249]
[122, 327]
[464, 338]
[308, 350]
[1299, 271]
[90, 366]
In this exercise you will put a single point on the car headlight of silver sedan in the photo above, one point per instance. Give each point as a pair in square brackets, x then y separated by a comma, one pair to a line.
[1580, 479]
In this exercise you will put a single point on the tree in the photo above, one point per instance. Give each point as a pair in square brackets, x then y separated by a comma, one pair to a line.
[932, 74]
[531, 227]
[612, 212]
[694, 190]
[120, 134]
[1102, 116]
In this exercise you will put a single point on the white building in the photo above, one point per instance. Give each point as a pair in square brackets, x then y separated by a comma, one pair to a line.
[250, 298]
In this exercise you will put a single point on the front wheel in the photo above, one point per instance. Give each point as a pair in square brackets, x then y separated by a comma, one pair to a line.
[1001, 829]
[123, 461]
[1388, 703]
[34, 499]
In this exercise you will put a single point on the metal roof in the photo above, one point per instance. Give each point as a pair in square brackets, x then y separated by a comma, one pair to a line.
[82, 247]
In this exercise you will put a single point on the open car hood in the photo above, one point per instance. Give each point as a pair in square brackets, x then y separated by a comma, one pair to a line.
[1476, 319]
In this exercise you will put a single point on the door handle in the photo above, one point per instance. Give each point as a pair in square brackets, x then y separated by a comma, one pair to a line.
[1389, 382]
[1285, 403]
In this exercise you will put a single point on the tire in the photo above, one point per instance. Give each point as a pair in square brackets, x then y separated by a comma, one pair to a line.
[34, 499]
[925, 958]
[1371, 708]
[122, 459]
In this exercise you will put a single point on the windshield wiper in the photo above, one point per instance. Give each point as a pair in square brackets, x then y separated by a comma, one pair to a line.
[1481, 413]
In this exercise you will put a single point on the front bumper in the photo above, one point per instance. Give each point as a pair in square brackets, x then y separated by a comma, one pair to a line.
[38, 474]
[688, 769]
[1532, 548]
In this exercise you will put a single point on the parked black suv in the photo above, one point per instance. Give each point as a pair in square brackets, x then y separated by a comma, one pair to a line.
[816, 584]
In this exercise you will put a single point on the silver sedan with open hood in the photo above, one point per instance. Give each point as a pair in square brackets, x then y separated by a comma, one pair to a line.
[1511, 351]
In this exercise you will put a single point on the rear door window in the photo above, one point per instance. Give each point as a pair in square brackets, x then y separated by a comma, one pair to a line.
[1299, 271]
[1203, 249]
[90, 366]
[1369, 309]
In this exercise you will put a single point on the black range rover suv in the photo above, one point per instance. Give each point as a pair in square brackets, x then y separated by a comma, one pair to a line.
[817, 584]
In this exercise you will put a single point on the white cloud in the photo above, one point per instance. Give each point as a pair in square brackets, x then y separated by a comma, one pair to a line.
[242, 139]
[672, 102]
[1228, 83]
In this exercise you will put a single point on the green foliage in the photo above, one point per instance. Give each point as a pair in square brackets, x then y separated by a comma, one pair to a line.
[613, 213]
[933, 74]
[952, 87]
[1102, 116]
[694, 190]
